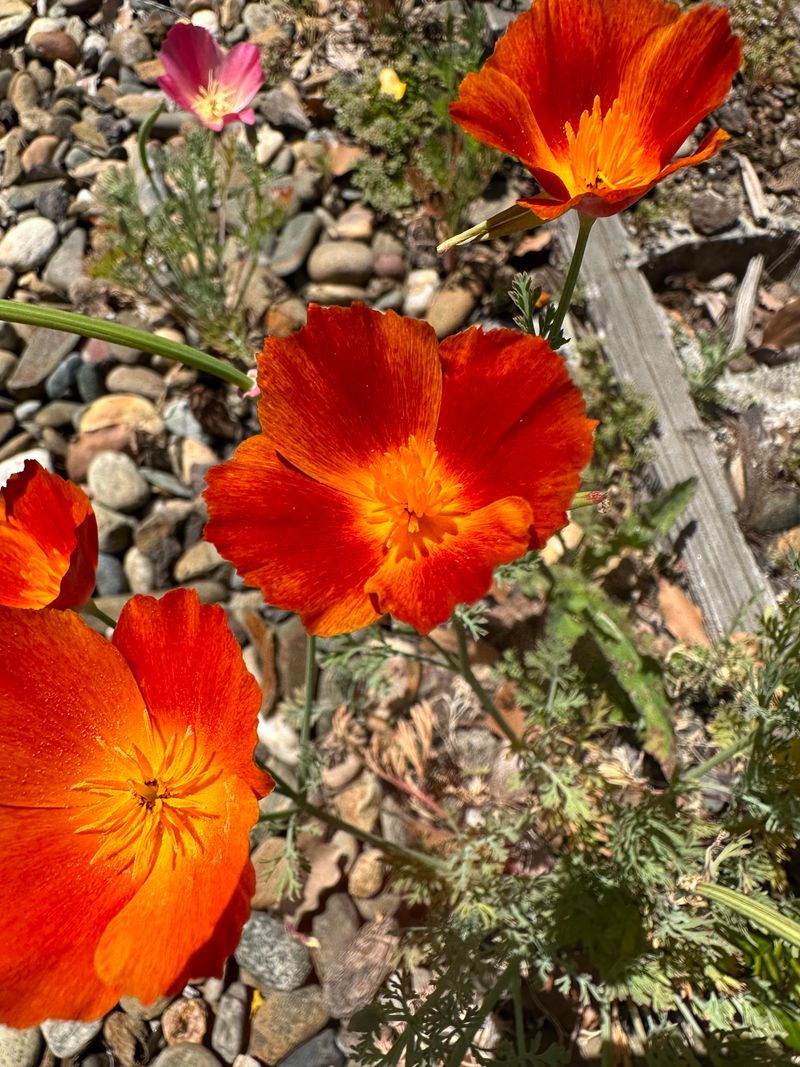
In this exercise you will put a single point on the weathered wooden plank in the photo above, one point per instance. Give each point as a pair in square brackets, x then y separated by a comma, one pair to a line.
[724, 578]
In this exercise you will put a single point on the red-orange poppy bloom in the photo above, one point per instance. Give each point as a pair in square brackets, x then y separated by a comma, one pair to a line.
[48, 541]
[127, 791]
[595, 97]
[393, 474]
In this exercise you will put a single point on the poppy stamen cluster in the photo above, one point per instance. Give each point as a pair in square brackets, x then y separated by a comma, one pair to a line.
[155, 797]
[412, 501]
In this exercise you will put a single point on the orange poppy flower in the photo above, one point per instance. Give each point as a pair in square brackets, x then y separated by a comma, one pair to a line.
[48, 541]
[393, 474]
[595, 97]
[127, 790]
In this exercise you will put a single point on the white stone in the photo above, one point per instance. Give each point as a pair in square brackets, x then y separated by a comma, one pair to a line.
[28, 244]
[421, 287]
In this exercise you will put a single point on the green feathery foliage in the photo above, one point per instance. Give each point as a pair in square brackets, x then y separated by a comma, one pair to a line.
[190, 238]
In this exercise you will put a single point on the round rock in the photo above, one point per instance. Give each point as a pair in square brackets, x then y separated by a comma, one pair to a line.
[114, 481]
[186, 1056]
[711, 213]
[14, 16]
[273, 958]
[65, 1038]
[28, 244]
[20, 1048]
[345, 262]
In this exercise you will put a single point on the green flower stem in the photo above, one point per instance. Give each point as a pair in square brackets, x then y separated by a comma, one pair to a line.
[768, 918]
[465, 670]
[407, 855]
[86, 326]
[90, 608]
[144, 133]
[695, 774]
[308, 707]
[584, 229]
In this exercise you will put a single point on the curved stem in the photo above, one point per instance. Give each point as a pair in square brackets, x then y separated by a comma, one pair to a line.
[465, 669]
[584, 229]
[86, 326]
[755, 911]
[408, 855]
[695, 774]
[308, 707]
[141, 140]
[91, 608]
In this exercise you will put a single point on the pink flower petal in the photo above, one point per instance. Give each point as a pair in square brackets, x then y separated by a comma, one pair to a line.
[242, 73]
[191, 58]
[175, 91]
[248, 117]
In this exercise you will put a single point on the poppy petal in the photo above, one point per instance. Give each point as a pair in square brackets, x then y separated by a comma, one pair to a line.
[61, 685]
[494, 109]
[48, 541]
[424, 591]
[611, 201]
[699, 56]
[179, 906]
[227, 933]
[302, 543]
[242, 73]
[709, 147]
[247, 116]
[53, 921]
[513, 424]
[65, 685]
[352, 384]
[185, 686]
[563, 53]
[191, 58]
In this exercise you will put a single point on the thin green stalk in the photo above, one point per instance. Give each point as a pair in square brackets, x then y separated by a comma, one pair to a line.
[86, 326]
[407, 855]
[308, 707]
[144, 133]
[763, 915]
[695, 774]
[91, 608]
[584, 229]
[465, 669]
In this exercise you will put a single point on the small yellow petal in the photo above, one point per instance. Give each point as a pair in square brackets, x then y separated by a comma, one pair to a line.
[391, 84]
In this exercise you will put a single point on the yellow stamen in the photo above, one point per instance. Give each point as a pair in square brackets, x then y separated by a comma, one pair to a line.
[606, 152]
[148, 798]
[213, 101]
[412, 500]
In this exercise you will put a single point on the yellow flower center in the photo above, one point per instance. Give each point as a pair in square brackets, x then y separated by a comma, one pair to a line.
[149, 798]
[213, 101]
[606, 152]
[411, 500]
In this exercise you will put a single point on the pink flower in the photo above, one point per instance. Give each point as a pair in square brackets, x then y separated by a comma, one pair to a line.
[200, 77]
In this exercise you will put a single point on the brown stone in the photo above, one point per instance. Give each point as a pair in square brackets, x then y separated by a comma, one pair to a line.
[284, 1021]
[55, 44]
[128, 1038]
[86, 446]
[39, 152]
[286, 317]
[366, 877]
[359, 803]
[185, 1020]
[122, 409]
